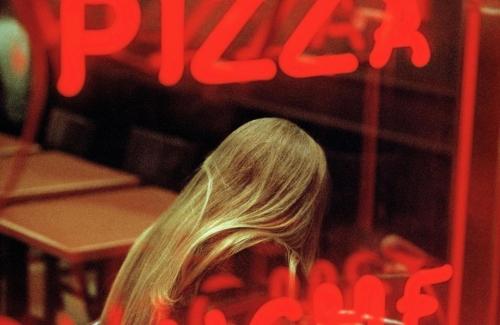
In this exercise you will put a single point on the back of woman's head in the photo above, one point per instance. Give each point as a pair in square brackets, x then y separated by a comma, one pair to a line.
[266, 182]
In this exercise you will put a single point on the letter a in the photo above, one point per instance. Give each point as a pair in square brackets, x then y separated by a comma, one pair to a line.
[400, 29]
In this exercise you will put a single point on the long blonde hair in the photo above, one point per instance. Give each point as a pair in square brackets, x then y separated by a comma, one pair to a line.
[266, 182]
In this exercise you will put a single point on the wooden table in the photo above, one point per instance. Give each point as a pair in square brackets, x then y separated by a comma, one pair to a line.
[48, 174]
[54, 173]
[86, 227]
[9, 145]
[81, 228]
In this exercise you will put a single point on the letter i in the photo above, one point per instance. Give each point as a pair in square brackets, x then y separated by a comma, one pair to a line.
[172, 42]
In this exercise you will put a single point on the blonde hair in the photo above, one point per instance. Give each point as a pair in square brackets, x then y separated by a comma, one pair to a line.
[266, 182]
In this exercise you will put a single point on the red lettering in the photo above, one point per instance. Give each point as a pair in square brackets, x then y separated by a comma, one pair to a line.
[282, 283]
[359, 261]
[296, 64]
[215, 317]
[257, 43]
[327, 303]
[77, 43]
[276, 309]
[219, 282]
[369, 303]
[172, 41]
[343, 29]
[207, 66]
[197, 308]
[285, 8]
[200, 304]
[414, 305]
[321, 272]
[198, 16]
[399, 28]
[369, 300]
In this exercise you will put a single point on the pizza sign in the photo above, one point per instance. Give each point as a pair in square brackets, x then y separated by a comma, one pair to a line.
[399, 28]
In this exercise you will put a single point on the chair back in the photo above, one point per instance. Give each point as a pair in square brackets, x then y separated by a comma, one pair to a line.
[160, 159]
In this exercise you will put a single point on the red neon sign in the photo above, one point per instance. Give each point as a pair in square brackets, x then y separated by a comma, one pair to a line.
[208, 68]
[295, 64]
[77, 42]
[324, 306]
[399, 28]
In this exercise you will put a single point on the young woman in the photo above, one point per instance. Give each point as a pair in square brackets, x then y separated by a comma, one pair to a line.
[266, 183]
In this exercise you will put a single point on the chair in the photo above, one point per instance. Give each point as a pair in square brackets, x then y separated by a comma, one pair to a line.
[69, 132]
[160, 159]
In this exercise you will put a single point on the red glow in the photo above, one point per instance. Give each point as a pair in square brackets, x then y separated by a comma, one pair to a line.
[64, 319]
[197, 17]
[48, 21]
[220, 282]
[463, 157]
[115, 315]
[355, 263]
[8, 321]
[77, 43]
[400, 29]
[161, 316]
[284, 10]
[326, 308]
[18, 60]
[207, 66]
[369, 299]
[215, 317]
[172, 42]
[282, 283]
[341, 30]
[277, 309]
[197, 309]
[256, 45]
[425, 8]
[296, 64]
[414, 305]
[322, 271]
[327, 302]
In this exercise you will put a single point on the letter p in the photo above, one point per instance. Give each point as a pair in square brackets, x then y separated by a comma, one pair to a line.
[77, 42]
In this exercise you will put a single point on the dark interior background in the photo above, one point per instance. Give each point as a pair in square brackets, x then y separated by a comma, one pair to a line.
[125, 118]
